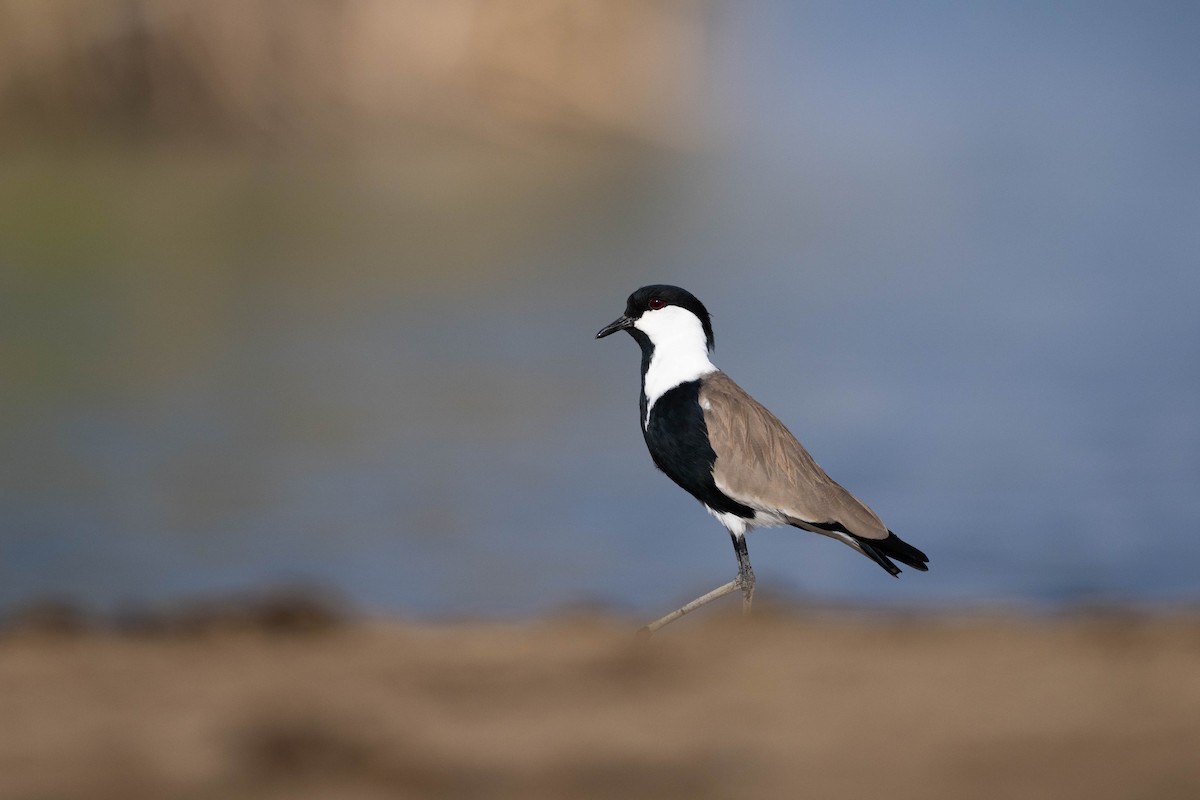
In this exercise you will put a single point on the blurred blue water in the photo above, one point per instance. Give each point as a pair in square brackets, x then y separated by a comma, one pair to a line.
[956, 249]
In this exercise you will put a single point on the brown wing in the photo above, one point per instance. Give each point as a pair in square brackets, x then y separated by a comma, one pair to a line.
[762, 465]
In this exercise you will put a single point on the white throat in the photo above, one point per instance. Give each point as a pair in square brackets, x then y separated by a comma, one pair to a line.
[680, 351]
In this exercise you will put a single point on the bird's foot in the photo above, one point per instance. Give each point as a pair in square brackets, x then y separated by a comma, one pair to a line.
[745, 582]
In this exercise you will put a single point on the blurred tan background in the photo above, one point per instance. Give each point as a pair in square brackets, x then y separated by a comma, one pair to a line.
[337, 71]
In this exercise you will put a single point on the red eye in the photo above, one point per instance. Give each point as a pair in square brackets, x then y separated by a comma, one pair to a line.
[656, 303]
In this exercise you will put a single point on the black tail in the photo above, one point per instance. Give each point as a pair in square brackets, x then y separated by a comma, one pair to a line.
[882, 551]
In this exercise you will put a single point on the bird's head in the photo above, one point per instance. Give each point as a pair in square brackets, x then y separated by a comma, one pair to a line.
[661, 315]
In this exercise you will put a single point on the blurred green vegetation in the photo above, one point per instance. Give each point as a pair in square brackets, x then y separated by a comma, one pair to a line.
[136, 256]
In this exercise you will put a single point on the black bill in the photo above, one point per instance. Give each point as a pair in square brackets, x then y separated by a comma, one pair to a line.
[624, 323]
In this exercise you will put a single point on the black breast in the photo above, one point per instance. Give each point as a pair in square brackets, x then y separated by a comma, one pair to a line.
[677, 438]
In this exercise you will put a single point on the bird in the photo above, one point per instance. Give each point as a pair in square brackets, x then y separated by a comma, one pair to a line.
[719, 444]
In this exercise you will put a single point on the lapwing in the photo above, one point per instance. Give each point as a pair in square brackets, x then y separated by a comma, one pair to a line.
[729, 452]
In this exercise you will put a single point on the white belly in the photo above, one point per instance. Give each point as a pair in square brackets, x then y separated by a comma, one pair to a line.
[740, 526]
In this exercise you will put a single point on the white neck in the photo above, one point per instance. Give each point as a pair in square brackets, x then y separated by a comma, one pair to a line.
[680, 351]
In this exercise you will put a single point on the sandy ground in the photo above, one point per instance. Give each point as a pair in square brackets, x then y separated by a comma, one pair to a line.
[787, 704]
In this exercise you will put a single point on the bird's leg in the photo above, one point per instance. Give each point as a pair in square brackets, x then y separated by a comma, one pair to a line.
[745, 578]
[744, 581]
[715, 594]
